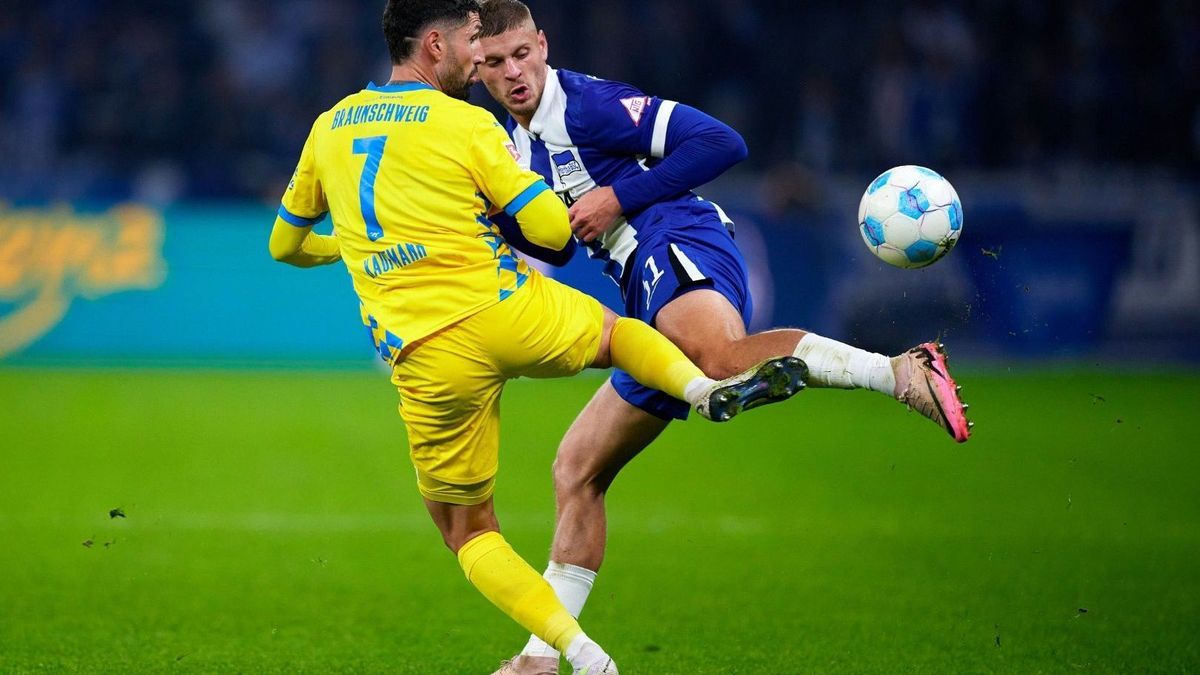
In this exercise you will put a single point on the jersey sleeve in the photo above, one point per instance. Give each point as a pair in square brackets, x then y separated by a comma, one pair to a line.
[619, 118]
[493, 166]
[698, 149]
[515, 236]
[304, 201]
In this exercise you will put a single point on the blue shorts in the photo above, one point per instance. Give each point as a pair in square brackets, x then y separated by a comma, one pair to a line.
[680, 253]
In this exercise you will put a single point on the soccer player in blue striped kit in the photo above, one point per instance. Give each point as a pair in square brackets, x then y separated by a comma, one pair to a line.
[625, 163]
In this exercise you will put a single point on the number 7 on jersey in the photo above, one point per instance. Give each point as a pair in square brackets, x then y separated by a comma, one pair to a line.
[372, 147]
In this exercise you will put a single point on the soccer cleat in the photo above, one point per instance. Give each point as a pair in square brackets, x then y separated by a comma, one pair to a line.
[924, 384]
[603, 667]
[771, 381]
[523, 664]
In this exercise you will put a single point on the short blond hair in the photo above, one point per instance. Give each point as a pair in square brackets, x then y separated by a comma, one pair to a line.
[501, 16]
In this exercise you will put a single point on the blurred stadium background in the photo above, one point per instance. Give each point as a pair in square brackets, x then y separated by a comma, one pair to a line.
[144, 146]
[1071, 130]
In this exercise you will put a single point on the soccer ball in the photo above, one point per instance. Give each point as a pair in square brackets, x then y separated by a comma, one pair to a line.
[910, 216]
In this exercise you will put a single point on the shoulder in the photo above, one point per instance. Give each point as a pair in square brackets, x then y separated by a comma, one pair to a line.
[348, 99]
[465, 113]
[325, 119]
[594, 103]
[601, 112]
[590, 90]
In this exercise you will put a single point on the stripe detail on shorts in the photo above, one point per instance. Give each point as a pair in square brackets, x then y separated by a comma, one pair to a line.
[684, 268]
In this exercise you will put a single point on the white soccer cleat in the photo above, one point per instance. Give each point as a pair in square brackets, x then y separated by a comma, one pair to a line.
[523, 664]
[602, 667]
[771, 381]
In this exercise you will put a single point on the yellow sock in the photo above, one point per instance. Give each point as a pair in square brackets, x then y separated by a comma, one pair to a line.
[505, 579]
[650, 358]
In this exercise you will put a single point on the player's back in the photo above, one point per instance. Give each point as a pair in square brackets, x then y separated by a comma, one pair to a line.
[408, 175]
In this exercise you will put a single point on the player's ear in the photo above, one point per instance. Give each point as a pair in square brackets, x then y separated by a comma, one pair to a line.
[543, 45]
[435, 43]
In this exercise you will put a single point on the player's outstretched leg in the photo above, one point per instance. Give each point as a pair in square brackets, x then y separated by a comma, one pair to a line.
[709, 330]
[923, 383]
[654, 361]
[917, 378]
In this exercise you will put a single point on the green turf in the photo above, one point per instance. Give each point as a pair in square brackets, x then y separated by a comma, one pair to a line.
[273, 526]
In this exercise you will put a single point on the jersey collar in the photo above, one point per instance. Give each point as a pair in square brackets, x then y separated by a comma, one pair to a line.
[397, 87]
[550, 93]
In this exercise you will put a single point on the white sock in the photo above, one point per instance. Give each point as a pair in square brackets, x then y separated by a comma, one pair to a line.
[571, 584]
[697, 387]
[834, 364]
[584, 651]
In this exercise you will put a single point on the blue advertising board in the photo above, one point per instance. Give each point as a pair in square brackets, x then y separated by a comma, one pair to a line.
[132, 285]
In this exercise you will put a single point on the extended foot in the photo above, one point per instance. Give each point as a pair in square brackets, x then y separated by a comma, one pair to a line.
[604, 667]
[923, 383]
[522, 664]
[771, 381]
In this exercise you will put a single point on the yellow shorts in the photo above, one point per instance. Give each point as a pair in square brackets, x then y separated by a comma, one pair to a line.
[450, 383]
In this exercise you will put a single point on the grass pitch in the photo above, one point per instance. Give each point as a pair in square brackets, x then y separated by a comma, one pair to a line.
[271, 524]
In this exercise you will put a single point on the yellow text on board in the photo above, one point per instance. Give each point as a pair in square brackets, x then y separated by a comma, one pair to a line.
[51, 257]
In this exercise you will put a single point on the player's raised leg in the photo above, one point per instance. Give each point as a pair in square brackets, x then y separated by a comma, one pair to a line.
[654, 361]
[710, 331]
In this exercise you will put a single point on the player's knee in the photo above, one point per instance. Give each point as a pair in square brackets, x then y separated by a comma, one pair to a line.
[573, 477]
[456, 537]
[603, 357]
[452, 541]
[568, 475]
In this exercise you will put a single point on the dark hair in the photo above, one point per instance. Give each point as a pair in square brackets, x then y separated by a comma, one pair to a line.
[404, 19]
[501, 16]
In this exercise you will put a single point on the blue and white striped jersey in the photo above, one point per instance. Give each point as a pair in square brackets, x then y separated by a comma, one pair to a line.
[589, 132]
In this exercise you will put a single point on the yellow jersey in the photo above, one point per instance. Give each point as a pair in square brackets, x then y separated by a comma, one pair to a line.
[409, 176]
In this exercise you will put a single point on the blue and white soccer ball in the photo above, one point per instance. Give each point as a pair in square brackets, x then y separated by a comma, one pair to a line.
[910, 216]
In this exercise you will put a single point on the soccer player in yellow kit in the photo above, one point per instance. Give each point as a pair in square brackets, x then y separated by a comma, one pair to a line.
[409, 172]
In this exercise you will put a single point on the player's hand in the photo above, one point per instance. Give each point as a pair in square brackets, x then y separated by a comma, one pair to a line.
[594, 213]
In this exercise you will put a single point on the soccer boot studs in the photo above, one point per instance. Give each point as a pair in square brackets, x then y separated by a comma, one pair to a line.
[523, 664]
[605, 667]
[771, 381]
[924, 384]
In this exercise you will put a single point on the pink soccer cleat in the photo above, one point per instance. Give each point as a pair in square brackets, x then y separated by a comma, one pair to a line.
[523, 664]
[923, 383]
